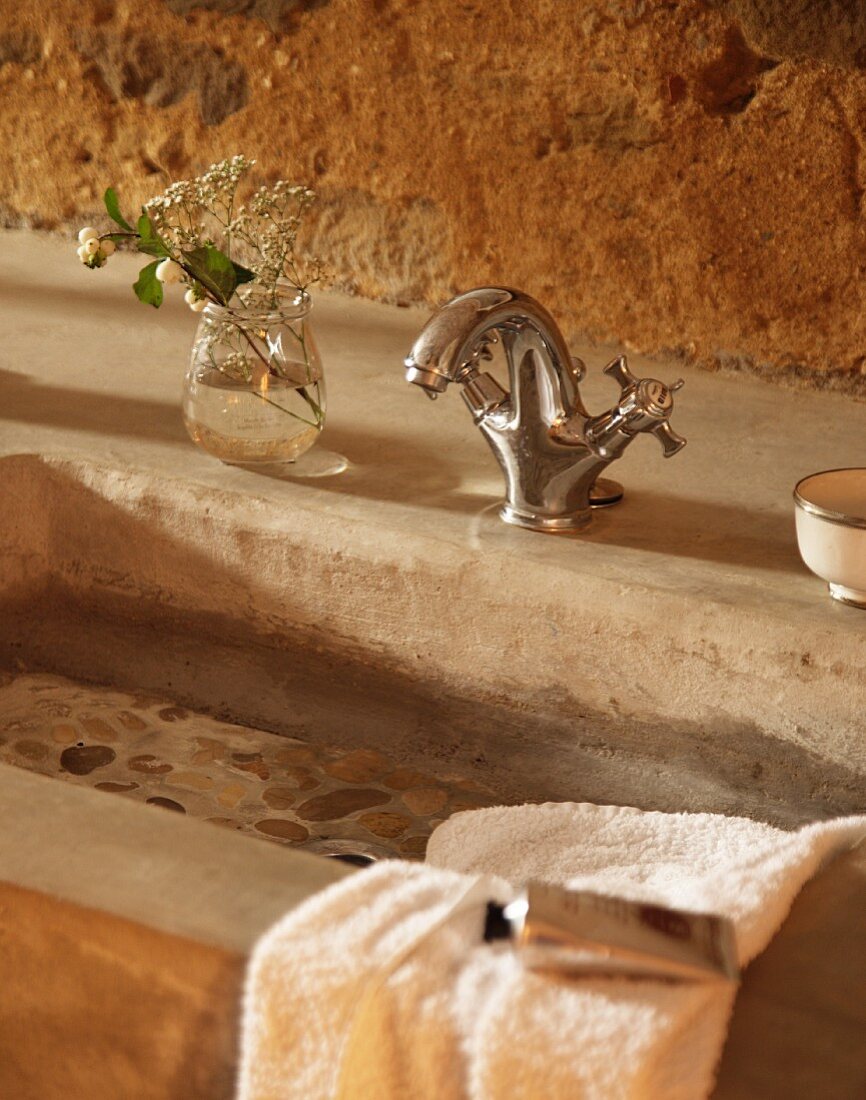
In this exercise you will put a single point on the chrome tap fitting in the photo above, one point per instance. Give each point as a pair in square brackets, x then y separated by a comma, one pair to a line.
[550, 449]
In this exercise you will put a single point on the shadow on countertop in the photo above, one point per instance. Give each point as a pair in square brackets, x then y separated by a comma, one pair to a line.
[29, 401]
[392, 468]
[707, 530]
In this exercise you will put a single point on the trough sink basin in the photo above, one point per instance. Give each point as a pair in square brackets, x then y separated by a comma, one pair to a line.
[276, 662]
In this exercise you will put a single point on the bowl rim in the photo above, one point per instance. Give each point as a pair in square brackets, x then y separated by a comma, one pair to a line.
[842, 518]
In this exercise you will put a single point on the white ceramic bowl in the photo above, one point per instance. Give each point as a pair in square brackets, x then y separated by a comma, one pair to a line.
[831, 530]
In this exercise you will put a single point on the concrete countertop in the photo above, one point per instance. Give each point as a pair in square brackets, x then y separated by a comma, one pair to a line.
[173, 874]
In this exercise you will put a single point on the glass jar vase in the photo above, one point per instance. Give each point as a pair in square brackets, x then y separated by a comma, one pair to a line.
[254, 392]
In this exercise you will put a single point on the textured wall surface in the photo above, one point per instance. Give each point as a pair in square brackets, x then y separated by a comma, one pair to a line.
[681, 176]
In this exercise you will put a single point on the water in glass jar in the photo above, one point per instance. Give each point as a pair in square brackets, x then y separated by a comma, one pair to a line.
[274, 423]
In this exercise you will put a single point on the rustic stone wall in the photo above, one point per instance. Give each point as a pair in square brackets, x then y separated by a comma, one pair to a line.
[679, 175]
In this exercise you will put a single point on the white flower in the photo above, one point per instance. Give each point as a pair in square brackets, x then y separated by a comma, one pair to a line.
[87, 233]
[169, 272]
[106, 248]
[91, 246]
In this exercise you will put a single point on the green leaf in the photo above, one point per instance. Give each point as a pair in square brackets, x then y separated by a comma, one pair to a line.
[113, 208]
[147, 287]
[243, 274]
[149, 241]
[215, 271]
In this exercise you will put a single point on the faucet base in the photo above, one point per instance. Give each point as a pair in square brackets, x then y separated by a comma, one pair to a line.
[602, 494]
[551, 525]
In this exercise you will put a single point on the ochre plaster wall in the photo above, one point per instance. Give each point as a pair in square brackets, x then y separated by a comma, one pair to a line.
[673, 175]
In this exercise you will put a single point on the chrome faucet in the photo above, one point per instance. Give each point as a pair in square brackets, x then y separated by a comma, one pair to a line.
[549, 447]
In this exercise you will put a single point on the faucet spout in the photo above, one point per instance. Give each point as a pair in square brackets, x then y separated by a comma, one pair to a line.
[550, 449]
[457, 337]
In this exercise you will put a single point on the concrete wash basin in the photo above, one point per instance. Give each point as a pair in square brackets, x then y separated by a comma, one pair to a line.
[676, 657]
[299, 625]
[170, 905]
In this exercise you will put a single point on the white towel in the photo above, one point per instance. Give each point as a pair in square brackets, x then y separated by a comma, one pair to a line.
[370, 990]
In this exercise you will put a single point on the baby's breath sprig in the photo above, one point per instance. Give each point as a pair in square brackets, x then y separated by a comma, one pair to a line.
[196, 228]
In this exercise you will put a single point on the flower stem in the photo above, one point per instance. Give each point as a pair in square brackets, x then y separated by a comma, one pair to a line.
[316, 409]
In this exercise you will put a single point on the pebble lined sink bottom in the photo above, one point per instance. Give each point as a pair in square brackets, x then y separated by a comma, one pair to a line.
[264, 784]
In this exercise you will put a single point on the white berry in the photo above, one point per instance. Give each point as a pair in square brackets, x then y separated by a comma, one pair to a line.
[106, 247]
[87, 233]
[83, 254]
[169, 272]
[198, 306]
[91, 246]
[190, 297]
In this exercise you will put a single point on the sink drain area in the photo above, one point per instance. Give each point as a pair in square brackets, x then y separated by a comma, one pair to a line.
[358, 806]
[355, 853]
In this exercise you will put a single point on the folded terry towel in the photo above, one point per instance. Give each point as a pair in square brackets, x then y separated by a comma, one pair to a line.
[380, 987]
